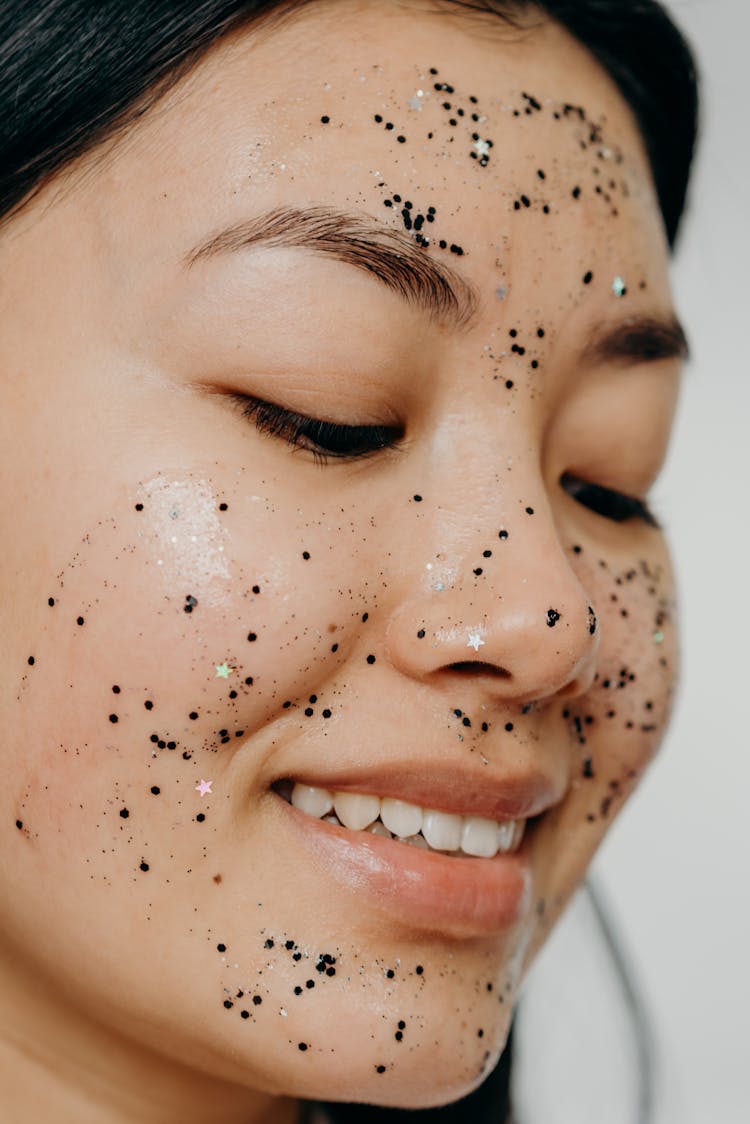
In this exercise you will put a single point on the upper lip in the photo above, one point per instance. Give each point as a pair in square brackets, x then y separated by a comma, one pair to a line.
[439, 785]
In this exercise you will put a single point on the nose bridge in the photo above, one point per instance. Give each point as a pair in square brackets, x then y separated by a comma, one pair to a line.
[494, 597]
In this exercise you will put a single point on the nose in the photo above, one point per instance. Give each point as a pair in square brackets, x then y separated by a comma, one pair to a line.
[520, 627]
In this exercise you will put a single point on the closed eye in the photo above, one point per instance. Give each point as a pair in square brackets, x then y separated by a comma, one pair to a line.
[324, 439]
[616, 506]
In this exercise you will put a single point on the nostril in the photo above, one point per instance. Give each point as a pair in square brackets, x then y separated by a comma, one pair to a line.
[479, 667]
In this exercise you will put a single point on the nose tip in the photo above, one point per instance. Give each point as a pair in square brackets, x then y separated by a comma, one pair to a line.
[529, 638]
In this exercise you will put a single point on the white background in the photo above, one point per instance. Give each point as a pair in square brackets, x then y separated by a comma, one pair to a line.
[675, 866]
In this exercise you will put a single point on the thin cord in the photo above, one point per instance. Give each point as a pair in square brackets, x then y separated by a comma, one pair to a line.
[645, 1042]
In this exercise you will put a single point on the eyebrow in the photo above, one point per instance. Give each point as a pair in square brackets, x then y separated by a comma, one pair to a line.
[404, 266]
[390, 256]
[639, 339]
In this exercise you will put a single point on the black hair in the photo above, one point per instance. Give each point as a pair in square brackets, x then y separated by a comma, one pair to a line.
[77, 74]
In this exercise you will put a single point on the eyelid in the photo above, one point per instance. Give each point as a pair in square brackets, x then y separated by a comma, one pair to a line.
[609, 503]
[307, 433]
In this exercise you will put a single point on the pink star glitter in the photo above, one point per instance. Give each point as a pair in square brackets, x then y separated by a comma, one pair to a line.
[203, 787]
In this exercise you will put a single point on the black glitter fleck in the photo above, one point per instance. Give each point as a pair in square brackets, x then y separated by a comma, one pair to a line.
[552, 617]
[155, 789]
[113, 718]
[588, 278]
[371, 659]
[124, 813]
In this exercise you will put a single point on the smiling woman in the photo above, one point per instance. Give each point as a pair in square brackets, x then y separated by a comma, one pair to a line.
[338, 360]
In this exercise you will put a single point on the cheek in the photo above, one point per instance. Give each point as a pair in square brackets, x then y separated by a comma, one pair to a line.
[615, 730]
[191, 616]
[629, 706]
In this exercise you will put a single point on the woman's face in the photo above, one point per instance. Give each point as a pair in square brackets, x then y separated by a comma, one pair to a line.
[194, 610]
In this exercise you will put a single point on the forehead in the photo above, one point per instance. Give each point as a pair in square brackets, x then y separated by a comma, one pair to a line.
[513, 145]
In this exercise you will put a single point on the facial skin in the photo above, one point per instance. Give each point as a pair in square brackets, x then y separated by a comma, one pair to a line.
[133, 483]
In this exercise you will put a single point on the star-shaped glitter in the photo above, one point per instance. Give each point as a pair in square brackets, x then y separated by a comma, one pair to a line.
[223, 670]
[204, 787]
[482, 147]
[475, 641]
[619, 288]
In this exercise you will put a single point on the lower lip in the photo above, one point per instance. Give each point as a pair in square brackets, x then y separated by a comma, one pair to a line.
[420, 889]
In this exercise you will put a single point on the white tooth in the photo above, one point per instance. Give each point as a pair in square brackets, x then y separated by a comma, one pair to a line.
[442, 830]
[505, 834]
[400, 817]
[379, 828]
[332, 819]
[356, 811]
[479, 837]
[416, 841]
[314, 801]
[520, 828]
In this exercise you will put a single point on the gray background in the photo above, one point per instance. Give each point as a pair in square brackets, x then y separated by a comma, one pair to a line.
[676, 863]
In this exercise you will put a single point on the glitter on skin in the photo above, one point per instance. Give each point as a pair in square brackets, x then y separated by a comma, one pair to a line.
[367, 545]
[475, 641]
[223, 670]
[203, 787]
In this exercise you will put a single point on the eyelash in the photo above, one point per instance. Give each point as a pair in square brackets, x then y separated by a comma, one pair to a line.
[615, 506]
[326, 440]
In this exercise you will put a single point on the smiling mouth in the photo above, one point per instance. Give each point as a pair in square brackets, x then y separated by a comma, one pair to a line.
[426, 828]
